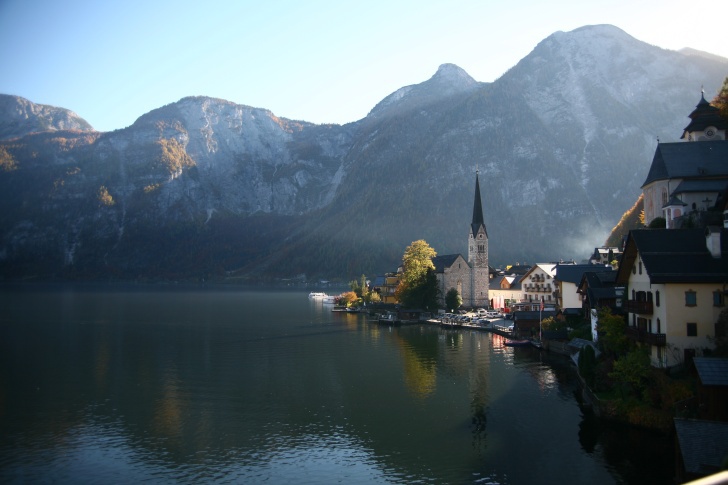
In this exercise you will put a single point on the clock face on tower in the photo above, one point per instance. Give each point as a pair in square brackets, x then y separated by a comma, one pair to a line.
[710, 132]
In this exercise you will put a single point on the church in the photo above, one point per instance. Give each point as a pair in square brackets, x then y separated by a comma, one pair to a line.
[688, 180]
[469, 277]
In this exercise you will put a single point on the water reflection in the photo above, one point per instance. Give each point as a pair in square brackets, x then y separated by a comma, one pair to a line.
[231, 386]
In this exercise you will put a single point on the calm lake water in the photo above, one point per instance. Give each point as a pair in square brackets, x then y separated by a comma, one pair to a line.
[113, 385]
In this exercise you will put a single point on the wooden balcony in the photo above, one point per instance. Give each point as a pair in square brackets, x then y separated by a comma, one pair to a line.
[639, 307]
[656, 339]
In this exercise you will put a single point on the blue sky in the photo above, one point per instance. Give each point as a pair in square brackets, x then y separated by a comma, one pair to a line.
[313, 60]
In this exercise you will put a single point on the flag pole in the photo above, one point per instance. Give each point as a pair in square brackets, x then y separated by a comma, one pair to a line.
[540, 331]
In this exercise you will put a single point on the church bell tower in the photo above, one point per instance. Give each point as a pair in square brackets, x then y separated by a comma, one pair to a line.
[478, 254]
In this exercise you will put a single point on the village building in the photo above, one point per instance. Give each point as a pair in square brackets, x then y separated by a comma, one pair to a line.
[469, 277]
[605, 255]
[599, 290]
[686, 178]
[567, 278]
[538, 284]
[386, 285]
[505, 290]
[676, 282]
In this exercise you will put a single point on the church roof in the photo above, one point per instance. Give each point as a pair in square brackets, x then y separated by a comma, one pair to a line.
[712, 185]
[477, 210]
[703, 116]
[445, 261]
[689, 160]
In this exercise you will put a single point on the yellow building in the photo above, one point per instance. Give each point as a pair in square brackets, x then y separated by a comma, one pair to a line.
[676, 282]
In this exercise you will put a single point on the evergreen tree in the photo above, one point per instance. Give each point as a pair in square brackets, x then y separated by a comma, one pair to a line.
[453, 300]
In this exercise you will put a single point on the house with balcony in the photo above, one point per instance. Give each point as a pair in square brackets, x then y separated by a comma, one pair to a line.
[538, 284]
[675, 284]
[386, 285]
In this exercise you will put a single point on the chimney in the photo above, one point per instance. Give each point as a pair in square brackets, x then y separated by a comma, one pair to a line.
[712, 240]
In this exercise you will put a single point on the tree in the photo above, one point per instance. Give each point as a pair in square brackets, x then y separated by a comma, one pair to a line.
[587, 364]
[721, 334]
[453, 299]
[721, 99]
[658, 223]
[430, 291]
[359, 287]
[612, 332]
[632, 371]
[348, 298]
[417, 260]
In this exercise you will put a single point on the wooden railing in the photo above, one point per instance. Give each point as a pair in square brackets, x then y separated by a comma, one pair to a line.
[639, 307]
[656, 339]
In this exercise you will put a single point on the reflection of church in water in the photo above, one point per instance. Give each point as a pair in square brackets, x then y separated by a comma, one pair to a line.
[469, 277]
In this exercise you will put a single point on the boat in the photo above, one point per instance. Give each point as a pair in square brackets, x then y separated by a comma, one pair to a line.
[330, 300]
[517, 343]
[389, 318]
[315, 295]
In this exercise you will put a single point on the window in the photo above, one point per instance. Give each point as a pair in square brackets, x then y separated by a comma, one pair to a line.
[657, 298]
[692, 329]
[691, 298]
[718, 298]
[640, 267]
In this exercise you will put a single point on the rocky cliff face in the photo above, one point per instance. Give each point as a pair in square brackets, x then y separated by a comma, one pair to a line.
[207, 188]
[21, 117]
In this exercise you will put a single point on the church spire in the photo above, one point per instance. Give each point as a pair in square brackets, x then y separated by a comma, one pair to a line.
[477, 209]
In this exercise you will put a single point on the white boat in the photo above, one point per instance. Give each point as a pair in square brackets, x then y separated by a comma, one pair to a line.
[331, 300]
[315, 295]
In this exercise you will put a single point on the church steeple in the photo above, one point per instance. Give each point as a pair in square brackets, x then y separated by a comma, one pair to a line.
[478, 254]
[477, 210]
[706, 123]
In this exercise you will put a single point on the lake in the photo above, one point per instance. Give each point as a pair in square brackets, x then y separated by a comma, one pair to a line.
[223, 385]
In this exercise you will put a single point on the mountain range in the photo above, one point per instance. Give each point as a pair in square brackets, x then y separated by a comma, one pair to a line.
[208, 189]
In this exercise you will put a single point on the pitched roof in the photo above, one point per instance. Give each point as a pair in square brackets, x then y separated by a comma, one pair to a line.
[703, 444]
[599, 286]
[703, 116]
[674, 256]
[477, 210]
[711, 185]
[712, 371]
[445, 261]
[572, 273]
[686, 160]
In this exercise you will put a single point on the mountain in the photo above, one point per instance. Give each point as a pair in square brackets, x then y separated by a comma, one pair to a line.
[206, 188]
[21, 117]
